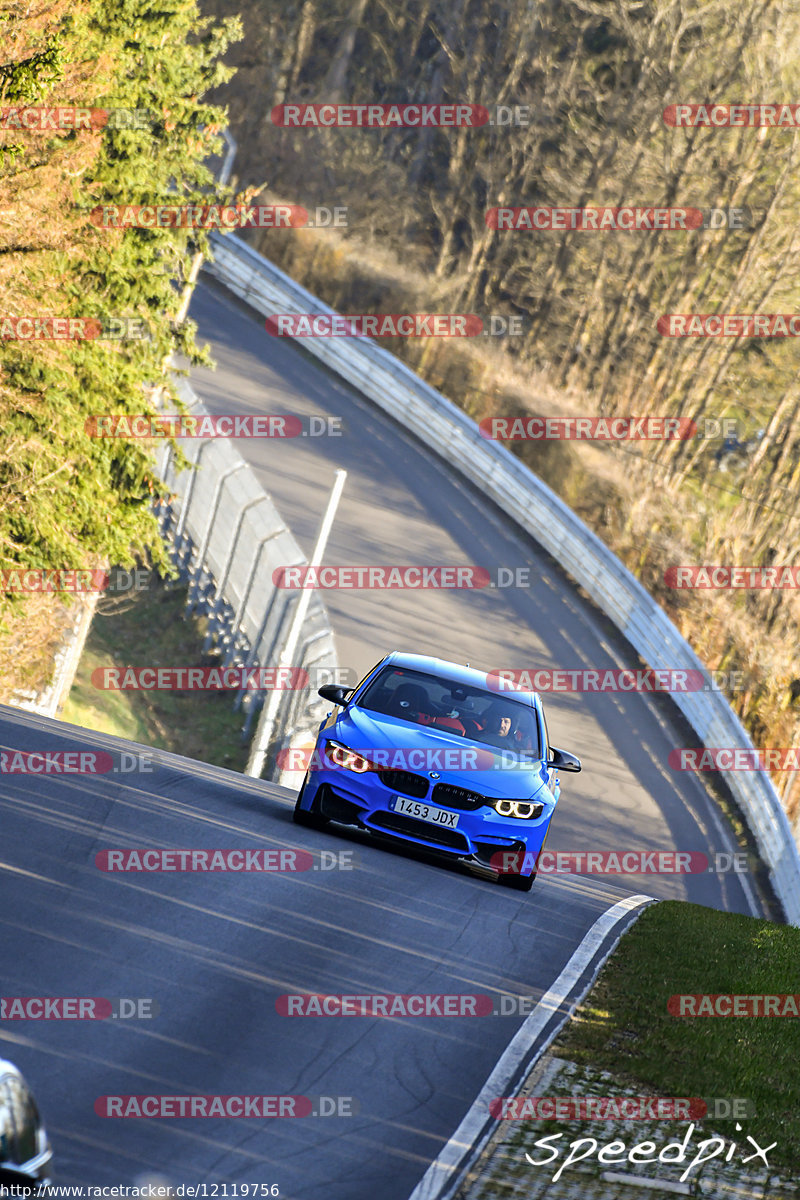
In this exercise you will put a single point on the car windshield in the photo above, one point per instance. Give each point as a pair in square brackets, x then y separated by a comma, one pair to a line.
[469, 712]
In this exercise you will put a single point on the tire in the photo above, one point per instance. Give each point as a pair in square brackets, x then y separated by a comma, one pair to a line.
[518, 883]
[312, 819]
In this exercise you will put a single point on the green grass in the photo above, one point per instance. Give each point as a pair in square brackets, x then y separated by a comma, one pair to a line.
[148, 628]
[623, 1025]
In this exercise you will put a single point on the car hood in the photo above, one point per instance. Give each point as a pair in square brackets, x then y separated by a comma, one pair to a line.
[364, 731]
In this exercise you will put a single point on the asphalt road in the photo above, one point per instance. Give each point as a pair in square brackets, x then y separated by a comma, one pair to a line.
[402, 505]
[214, 951]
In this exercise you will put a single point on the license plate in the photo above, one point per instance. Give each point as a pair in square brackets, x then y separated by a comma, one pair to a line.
[424, 812]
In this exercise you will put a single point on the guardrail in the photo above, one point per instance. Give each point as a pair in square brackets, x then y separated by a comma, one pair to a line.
[448, 431]
[227, 539]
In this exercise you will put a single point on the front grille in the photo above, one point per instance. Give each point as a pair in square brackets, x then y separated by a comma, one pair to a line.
[406, 782]
[451, 796]
[451, 839]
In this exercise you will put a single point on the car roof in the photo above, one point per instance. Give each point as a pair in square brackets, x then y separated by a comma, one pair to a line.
[455, 672]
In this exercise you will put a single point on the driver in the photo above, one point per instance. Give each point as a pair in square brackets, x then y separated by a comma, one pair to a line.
[498, 729]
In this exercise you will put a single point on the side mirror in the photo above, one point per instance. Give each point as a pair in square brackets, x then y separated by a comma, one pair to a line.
[334, 693]
[562, 760]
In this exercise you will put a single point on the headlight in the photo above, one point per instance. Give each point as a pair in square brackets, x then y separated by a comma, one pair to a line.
[523, 809]
[343, 756]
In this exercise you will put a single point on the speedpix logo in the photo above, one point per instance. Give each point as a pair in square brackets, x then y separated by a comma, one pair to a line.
[616, 1152]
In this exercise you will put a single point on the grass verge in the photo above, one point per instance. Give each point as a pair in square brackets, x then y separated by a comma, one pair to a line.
[623, 1025]
[147, 629]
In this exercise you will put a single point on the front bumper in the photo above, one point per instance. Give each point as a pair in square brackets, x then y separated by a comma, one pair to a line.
[482, 836]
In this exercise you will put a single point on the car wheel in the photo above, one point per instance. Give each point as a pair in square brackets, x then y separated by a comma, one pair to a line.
[302, 816]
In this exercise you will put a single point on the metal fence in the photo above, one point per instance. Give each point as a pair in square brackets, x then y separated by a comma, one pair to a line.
[501, 476]
[227, 538]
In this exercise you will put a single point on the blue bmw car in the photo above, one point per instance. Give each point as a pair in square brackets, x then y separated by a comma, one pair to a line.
[428, 753]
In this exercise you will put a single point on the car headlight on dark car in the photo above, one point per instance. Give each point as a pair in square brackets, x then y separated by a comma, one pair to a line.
[349, 759]
[526, 810]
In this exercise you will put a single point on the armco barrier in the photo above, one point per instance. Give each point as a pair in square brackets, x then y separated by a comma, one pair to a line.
[536, 509]
[227, 538]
